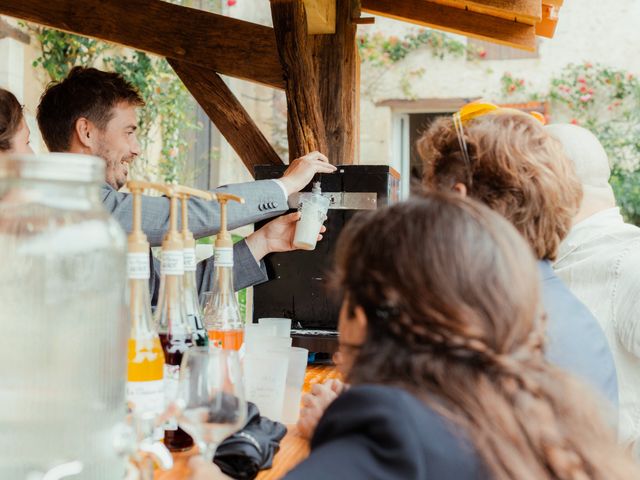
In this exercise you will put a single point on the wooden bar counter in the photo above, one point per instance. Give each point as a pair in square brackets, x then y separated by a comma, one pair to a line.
[293, 448]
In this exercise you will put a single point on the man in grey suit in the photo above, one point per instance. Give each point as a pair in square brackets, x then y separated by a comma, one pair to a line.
[94, 112]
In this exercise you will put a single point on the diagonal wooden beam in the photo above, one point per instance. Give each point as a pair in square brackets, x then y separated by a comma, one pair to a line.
[456, 20]
[226, 112]
[226, 45]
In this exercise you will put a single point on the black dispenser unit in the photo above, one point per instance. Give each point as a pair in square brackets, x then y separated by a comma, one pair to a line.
[297, 289]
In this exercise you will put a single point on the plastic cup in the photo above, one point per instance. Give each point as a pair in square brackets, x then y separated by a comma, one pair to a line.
[295, 380]
[267, 344]
[313, 210]
[265, 376]
[255, 330]
[282, 325]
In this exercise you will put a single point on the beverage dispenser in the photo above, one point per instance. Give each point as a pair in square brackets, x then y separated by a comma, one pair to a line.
[297, 287]
[63, 348]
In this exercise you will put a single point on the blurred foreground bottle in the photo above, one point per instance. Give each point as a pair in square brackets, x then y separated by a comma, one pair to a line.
[64, 320]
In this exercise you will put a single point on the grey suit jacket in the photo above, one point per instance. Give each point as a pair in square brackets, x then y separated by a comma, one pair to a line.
[263, 199]
[246, 272]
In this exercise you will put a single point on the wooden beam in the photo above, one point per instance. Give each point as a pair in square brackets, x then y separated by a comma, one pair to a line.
[305, 126]
[226, 45]
[336, 59]
[321, 16]
[452, 19]
[226, 112]
[523, 11]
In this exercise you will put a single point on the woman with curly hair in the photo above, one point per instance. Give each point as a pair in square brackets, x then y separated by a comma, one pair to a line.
[442, 340]
[507, 160]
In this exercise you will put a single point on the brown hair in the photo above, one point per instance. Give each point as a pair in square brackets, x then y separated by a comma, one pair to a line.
[516, 168]
[86, 92]
[451, 295]
[10, 119]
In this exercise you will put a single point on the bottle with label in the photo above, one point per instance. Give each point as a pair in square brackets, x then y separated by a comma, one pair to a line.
[195, 315]
[222, 315]
[175, 333]
[145, 370]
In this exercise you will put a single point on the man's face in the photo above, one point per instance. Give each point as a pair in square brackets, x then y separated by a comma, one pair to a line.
[118, 144]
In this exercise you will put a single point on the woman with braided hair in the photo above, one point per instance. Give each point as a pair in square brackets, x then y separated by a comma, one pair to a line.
[441, 337]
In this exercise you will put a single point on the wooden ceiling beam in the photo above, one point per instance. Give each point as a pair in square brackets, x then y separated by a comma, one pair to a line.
[222, 44]
[455, 20]
[228, 115]
[321, 16]
[523, 11]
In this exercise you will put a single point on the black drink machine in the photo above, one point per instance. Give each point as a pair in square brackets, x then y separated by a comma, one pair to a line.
[297, 287]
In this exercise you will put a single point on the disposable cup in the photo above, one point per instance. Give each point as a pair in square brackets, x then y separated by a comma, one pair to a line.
[282, 325]
[265, 381]
[295, 380]
[313, 213]
[267, 343]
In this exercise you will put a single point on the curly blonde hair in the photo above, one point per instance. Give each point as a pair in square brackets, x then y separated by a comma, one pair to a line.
[515, 167]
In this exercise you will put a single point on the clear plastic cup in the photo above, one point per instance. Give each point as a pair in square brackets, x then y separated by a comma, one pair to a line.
[267, 343]
[295, 380]
[282, 325]
[313, 210]
[265, 377]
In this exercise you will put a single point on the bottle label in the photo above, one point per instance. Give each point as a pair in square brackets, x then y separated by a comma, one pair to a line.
[189, 260]
[171, 385]
[172, 263]
[138, 266]
[223, 257]
[147, 398]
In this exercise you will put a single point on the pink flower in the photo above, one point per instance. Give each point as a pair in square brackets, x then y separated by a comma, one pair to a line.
[574, 121]
[583, 89]
[521, 81]
[586, 98]
[588, 64]
[590, 91]
[231, 3]
[582, 80]
[482, 53]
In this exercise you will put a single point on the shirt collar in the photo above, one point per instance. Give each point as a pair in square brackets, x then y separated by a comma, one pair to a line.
[591, 227]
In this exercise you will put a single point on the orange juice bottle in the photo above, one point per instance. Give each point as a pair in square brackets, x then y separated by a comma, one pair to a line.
[222, 315]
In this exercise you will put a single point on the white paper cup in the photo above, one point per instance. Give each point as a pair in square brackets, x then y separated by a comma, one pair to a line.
[283, 325]
[265, 377]
[313, 213]
[295, 380]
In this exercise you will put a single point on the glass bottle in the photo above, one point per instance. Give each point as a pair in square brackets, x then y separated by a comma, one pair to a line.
[222, 315]
[171, 323]
[145, 374]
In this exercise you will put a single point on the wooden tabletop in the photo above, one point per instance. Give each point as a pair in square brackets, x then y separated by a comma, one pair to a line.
[293, 448]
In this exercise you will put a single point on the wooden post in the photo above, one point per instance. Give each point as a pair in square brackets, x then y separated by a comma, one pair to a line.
[337, 63]
[305, 126]
[226, 112]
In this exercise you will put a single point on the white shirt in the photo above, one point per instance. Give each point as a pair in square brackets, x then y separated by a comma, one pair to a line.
[600, 263]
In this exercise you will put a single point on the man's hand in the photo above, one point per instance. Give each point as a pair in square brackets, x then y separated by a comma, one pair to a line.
[301, 171]
[315, 403]
[203, 470]
[275, 236]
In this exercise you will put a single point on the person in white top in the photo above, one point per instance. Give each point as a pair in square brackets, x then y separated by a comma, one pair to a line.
[600, 263]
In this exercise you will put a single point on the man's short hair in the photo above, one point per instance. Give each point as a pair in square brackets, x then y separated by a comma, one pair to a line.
[515, 167]
[86, 92]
